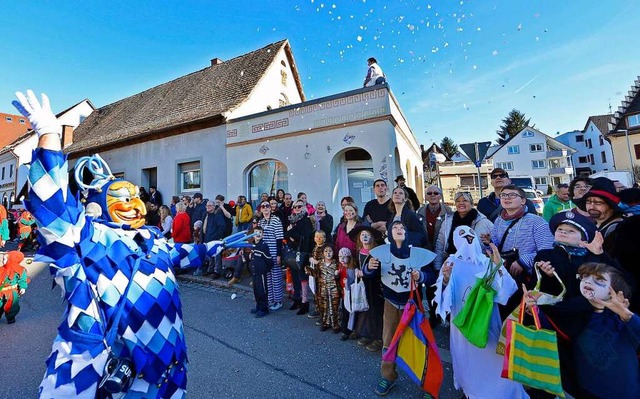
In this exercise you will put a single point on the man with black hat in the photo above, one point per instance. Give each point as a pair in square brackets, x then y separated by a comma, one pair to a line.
[490, 205]
[601, 201]
[412, 194]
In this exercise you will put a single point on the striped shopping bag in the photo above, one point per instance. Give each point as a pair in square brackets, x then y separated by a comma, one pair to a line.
[413, 347]
[531, 355]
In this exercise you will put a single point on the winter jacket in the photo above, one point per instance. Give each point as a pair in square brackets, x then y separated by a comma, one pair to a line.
[422, 215]
[261, 262]
[555, 205]
[215, 228]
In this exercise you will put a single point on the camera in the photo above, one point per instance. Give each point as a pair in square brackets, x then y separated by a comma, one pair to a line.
[118, 375]
[510, 256]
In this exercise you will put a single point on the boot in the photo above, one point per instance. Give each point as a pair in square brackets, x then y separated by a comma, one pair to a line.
[296, 305]
[304, 309]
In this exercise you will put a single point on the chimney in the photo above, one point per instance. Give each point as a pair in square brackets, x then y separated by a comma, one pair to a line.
[67, 135]
[216, 61]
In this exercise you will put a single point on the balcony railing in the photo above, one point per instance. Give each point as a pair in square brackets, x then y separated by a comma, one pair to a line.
[560, 171]
[556, 154]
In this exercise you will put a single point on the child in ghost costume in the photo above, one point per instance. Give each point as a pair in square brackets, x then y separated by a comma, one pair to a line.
[475, 370]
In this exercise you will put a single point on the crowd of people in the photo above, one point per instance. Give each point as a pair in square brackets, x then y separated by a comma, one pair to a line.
[303, 252]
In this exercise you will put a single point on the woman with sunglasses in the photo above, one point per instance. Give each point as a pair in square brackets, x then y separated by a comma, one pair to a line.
[272, 236]
[299, 236]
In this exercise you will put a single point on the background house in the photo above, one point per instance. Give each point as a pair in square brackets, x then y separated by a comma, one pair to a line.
[624, 129]
[593, 151]
[243, 126]
[533, 153]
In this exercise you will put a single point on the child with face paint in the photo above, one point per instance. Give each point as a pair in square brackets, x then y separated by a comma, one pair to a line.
[328, 291]
[369, 324]
[397, 264]
[576, 242]
[605, 351]
[260, 263]
[346, 276]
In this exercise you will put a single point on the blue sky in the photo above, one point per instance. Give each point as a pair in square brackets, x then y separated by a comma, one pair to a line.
[456, 67]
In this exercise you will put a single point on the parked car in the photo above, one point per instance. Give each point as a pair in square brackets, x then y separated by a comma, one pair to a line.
[533, 196]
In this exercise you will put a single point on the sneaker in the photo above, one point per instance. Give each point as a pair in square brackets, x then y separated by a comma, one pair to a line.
[364, 341]
[260, 314]
[353, 335]
[254, 310]
[375, 346]
[276, 306]
[313, 315]
[318, 322]
[344, 337]
[384, 387]
[324, 328]
[337, 330]
[233, 281]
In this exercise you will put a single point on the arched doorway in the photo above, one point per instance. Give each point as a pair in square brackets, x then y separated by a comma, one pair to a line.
[352, 175]
[266, 176]
[419, 184]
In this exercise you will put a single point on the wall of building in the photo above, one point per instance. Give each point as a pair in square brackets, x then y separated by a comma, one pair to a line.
[621, 150]
[269, 89]
[206, 146]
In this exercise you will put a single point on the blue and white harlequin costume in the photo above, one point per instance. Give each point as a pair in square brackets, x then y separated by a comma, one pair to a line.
[89, 255]
[97, 262]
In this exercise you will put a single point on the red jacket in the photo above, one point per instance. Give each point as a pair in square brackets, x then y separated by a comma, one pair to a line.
[181, 228]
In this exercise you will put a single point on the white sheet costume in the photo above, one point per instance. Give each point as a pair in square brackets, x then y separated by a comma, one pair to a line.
[476, 371]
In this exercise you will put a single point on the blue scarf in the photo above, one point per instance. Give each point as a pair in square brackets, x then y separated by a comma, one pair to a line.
[633, 209]
[572, 251]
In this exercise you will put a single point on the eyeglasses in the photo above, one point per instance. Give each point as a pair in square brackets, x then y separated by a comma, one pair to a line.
[510, 195]
[499, 176]
[581, 187]
[265, 206]
[433, 193]
[297, 207]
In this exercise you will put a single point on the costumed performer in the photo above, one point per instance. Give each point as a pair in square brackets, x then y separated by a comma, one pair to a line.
[475, 370]
[13, 284]
[122, 332]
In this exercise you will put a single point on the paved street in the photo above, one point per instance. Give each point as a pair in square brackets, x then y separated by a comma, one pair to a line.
[232, 355]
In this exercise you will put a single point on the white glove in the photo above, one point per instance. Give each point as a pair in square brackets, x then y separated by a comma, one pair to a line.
[41, 118]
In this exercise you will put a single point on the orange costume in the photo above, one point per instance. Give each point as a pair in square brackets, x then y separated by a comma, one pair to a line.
[13, 283]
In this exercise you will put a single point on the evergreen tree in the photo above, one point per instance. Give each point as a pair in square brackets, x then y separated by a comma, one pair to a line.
[512, 125]
[448, 147]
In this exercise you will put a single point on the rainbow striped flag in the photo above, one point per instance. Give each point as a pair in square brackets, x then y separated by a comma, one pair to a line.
[413, 348]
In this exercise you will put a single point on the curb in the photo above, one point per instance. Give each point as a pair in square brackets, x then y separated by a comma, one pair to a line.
[213, 283]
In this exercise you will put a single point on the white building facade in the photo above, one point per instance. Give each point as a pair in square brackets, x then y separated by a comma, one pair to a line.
[533, 153]
[593, 152]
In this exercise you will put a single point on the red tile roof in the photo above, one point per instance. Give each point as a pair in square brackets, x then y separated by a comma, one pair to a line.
[12, 127]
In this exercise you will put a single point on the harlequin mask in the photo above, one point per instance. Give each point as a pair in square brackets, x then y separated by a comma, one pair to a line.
[118, 199]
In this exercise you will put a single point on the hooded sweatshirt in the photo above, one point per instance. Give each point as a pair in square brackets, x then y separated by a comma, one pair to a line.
[555, 205]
